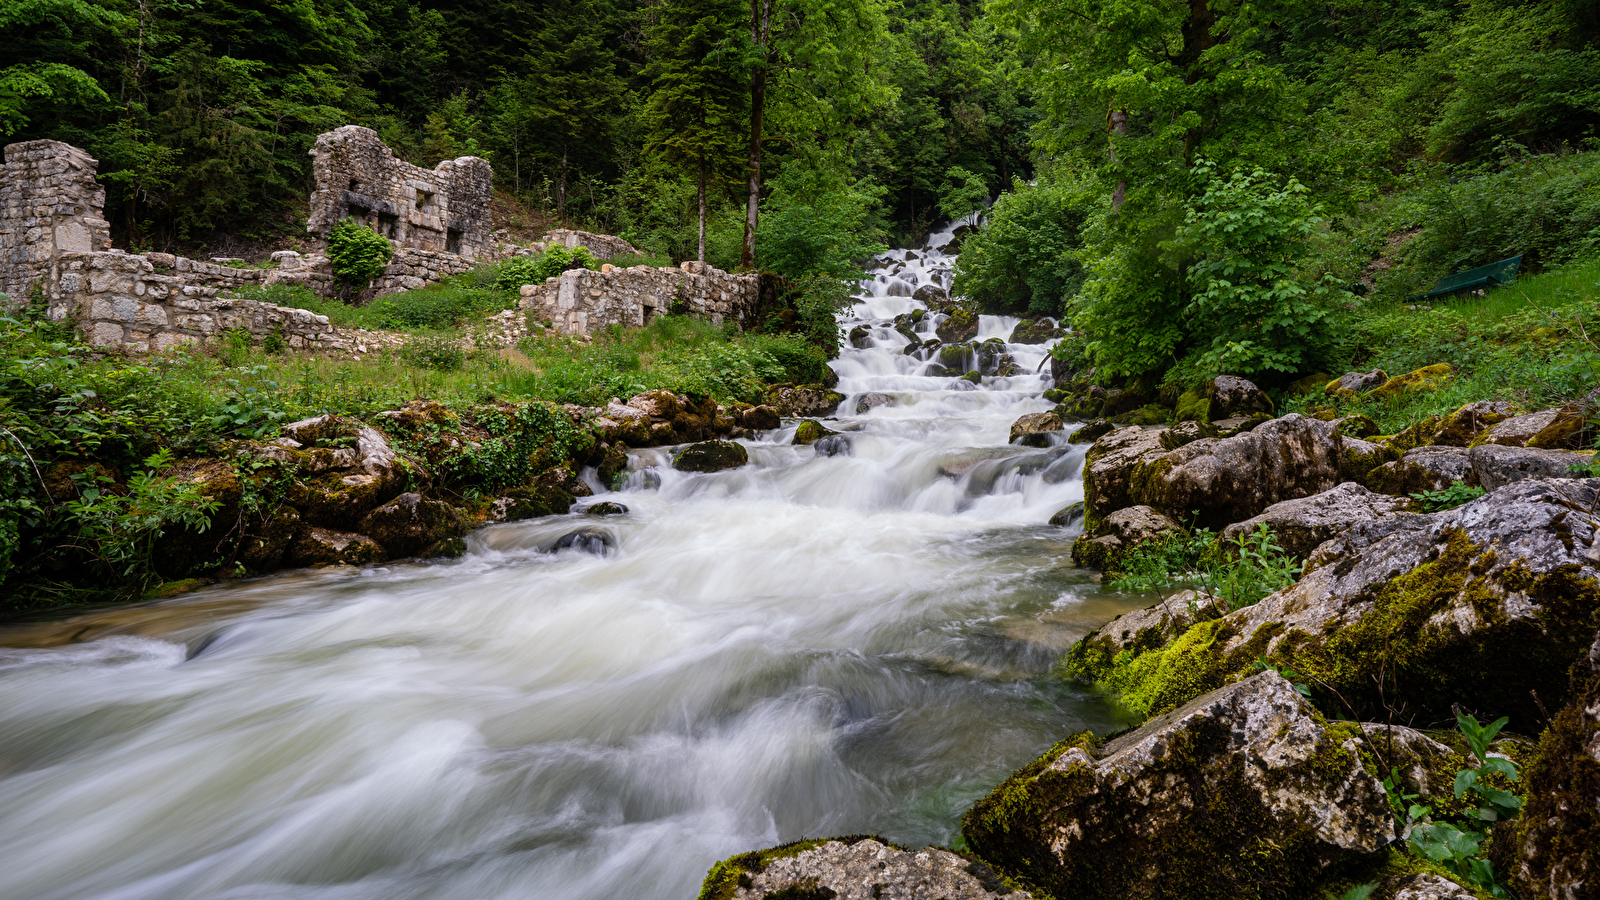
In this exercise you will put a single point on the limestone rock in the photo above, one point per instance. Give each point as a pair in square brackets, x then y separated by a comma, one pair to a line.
[1427, 378]
[409, 524]
[1267, 777]
[325, 547]
[1033, 430]
[760, 418]
[266, 539]
[659, 405]
[1182, 433]
[1461, 427]
[872, 400]
[1118, 535]
[853, 868]
[960, 325]
[1036, 331]
[1301, 525]
[1432, 887]
[1142, 630]
[1517, 430]
[1495, 465]
[710, 456]
[1068, 515]
[1114, 464]
[1352, 383]
[804, 401]
[1422, 469]
[1231, 479]
[1569, 428]
[1231, 396]
[1357, 458]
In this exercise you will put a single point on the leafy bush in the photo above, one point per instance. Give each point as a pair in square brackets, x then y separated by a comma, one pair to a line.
[358, 254]
[1024, 258]
[816, 224]
[1239, 572]
[117, 530]
[440, 352]
[520, 270]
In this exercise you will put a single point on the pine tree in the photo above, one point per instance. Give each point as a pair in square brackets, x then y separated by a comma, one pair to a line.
[699, 79]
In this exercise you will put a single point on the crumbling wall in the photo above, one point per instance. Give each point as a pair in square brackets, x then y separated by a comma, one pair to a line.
[442, 210]
[581, 301]
[603, 246]
[50, 205]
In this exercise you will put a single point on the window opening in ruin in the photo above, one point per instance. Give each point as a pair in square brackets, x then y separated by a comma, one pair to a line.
[387, 224]
[452, 241]
[424, 201]
[355, 184]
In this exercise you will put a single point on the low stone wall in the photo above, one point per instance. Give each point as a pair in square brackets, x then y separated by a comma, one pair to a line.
[581, 301]
[603, 246]
[410, 269]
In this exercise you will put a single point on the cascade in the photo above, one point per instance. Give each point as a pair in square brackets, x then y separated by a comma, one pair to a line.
[854, 636]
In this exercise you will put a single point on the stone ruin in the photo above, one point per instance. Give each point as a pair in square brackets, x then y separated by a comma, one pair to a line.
[54, 238]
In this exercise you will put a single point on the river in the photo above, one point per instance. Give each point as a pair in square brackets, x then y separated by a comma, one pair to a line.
[809, 645]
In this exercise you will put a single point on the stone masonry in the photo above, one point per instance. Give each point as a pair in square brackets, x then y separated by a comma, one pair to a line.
[581, 301]
[603, 246]
[50, 205]
[443, 210]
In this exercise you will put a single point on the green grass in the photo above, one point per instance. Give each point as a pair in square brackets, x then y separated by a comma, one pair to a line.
[1528, 342]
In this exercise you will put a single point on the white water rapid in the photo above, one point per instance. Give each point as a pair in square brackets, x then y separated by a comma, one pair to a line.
[809, 645]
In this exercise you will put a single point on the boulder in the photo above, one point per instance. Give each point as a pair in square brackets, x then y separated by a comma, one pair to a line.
[1570, 427]
[1114, 465]
[409, 525]
[1356, 426]
[1244, 792]
[1431, 887]
[594, 541]
[1476, 606]
[339, 501]
[1422, 469]
[1419, 435]
[1182, 433]
[930, 295]
[1357, 458]
[810, 431]
[872, 400]
[853, 868]
[1301, 525]
[1555, 845]
[1461, 427]
[1118, 535]
[1068, 515]
[1350, 384]
[860, 337]
[1139, 632]
[1033, 430]
[961, 324]
[1427, 378]
[179, 551]
[660, 405]
[266, 539]
[804, 400]
[710, 456]
[832, 445]
[1035, 331]
[605, 508]
[326, 547]
[1231, 396]
[632, 426]
[1222, 481]
[1092, 431]
[760, 418]
[1495, 465]
[1517, 430]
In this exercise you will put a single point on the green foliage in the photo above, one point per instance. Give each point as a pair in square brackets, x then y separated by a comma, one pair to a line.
[816, 224]
[440, 352]
[963, 194]
[520, 270]
[1239, 572]
[1457, 494]
[358, 254]
[453, 303]
[1456, 845]
[1024, 259]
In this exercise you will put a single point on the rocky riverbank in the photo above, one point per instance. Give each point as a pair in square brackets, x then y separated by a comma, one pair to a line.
[1301, 746]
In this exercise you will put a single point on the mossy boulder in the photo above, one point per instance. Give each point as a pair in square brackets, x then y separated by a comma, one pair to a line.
[798, 401]
[1035, 331]
[1422, 469]
[1114, 467]
[710, 456]
[1309, 385]
[1231, 396]
[1571, 426]
[1090, 432]
[760, 418]
[1118, 535]
[326, 547]
[1427, 378]
[1192, 406]
[1554, 850]
[1244, 792]
[410, 524]
[1357, 458]
[338, 501]
[180, 551]
[268, 532]
[1348, 385]
[810, 431]
[1068, 515]
[1419, 435]
[1149, 414]
[961, 324]
[1462, 427]
[853, 868]
[1182, 433]
[1479, 606]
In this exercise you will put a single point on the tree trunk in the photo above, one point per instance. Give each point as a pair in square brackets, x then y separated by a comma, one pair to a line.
[702, 255]
[760, 35]
[1119, 127]
[561, 189]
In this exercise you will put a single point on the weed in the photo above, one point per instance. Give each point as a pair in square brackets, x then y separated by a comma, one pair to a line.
[1459, 493]
[1240, 572]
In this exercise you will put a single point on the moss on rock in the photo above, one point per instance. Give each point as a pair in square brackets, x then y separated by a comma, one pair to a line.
[1427, 378]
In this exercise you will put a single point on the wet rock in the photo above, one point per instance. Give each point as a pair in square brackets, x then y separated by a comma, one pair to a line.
[1035, 331]
[613, 461]
[1476, 606]
[760, 418]
[1115, 466]
[871, 401]
[932, 296]
[853, 868]
[1427, 378]
[1091, 432]
[1570, 427]
[409, 524]
[810, 431]
[1495, 466]
[860, 337]
[1232, 396]
[1422, 469]
[1068, 516]
[972, 378]
[832, 445]
[1301, 525]
[1034, 429]
[549, 495]
[605, 508]
[961, 384]
[594, 541]
[1461, 427]
[803, 401]
[660, 405]
[339, 501]
[1350, 384]
[1231, 479]
[326, 547]
[1118, 535]
[961, 324]
[1555, 846]
[1273, 779]
[710, 456]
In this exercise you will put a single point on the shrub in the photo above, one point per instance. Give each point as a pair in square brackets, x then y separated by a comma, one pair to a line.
[1239, 572]
[439, 352]
[358, 254]
[1024, 258]
[520, 270]
[816, 224]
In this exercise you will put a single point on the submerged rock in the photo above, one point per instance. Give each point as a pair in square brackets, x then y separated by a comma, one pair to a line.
[605, 508]
[853, 868]
[832, 445]
[1068, 515]
[595, 541]
[1301, 525]
[710, 456]
[810, 431]
[872, 400]
[1176, 808]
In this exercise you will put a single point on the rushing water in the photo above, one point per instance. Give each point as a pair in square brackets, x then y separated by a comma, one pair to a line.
[809, 645]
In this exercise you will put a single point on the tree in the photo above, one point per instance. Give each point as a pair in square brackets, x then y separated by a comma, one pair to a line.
[699, 53]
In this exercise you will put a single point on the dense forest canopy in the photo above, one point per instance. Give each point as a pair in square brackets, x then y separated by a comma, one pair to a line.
[1198, 185]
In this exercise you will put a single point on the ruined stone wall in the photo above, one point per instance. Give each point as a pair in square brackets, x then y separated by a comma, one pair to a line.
[582, 301]
[604, 246]
[411, 269]
[442, 210]
[50, 204]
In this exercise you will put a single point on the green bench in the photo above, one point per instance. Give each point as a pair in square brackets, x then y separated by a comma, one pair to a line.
[1502, 272]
